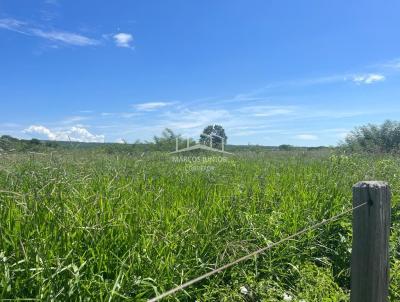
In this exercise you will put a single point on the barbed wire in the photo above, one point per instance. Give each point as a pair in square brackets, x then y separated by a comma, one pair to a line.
[248, 256]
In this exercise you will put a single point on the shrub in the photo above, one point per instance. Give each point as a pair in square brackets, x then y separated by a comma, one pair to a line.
[375, 138]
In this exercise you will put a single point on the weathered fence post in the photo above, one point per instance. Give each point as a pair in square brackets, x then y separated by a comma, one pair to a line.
[370, 253]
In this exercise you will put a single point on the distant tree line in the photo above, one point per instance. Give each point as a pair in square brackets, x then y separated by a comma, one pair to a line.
[9, 143]
[368, 138]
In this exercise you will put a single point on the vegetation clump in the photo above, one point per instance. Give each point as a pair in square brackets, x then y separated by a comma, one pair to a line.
[375, 138]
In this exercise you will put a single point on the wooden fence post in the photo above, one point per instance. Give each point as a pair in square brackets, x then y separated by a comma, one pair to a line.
[370, 253]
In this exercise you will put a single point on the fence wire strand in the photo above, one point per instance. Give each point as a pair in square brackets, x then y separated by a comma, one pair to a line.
[255, 253]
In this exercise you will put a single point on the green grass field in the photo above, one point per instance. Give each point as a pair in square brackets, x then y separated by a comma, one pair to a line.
[94, 227]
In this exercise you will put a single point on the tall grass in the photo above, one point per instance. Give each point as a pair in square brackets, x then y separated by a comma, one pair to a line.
[118, 227]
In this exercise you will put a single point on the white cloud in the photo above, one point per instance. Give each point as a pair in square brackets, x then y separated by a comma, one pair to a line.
[121, 141]
[151, 106]
[343, 135]
[368, 78]
[41, 130]
[307, 137]
[83, 135]
[52, 35]
[75, 133]
[123, 40]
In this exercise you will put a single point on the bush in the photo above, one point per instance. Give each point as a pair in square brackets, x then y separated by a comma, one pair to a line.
[375, 138]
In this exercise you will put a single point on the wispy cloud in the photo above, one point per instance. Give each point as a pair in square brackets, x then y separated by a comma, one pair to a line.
[65, 37]
[9, 125]
[368, 78]
[390, 64]
[258, 95]
[256, 132]
[184, 121]
[274, 112]
[52, 2]
[129, 114]
[75, 133]
[116, 115]
[267, 110]
[187, 119]
[259, 115]
[150, 106]
[307, 137]
[107, 114]
[74, 119]
[11, 24]
[262, 123]
[123, 40]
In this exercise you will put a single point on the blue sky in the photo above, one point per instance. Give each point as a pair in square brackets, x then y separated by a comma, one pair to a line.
[271, 72]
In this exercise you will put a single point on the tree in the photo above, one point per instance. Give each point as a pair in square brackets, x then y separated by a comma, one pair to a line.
[217, 132]
[34, 141]
[166, 141]
[375, 138]
[285, 147]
